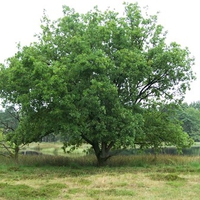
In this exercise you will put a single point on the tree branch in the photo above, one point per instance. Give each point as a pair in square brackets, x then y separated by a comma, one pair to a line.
[86, 139]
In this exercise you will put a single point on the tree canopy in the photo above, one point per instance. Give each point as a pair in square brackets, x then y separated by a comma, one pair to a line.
[89, 75]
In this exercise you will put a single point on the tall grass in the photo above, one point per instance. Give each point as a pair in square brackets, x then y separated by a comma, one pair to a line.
[116, 161]
[51, 160]
[53, 155]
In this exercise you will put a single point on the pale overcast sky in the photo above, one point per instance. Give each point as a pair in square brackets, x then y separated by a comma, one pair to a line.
[20, 20]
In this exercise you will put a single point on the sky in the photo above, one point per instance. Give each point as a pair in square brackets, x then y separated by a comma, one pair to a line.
[20, 20]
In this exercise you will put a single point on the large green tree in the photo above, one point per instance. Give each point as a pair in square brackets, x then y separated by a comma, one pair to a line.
[89, 74]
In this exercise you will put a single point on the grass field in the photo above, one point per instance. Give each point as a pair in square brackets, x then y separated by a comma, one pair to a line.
[47, 177]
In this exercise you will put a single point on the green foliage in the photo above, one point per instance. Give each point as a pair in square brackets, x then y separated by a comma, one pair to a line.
[162, 128]
[89, 74]
[189, 115]
[195, 105]
[9, 119]
[8, 148]
[10, 141]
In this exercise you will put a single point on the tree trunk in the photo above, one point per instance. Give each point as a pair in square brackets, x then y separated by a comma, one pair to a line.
[101, 161]
[16, 153]
[102, 153]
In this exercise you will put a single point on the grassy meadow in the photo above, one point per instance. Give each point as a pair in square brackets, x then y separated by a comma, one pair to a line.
[58, 177]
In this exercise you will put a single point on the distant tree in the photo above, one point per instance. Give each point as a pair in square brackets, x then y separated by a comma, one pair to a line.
[9, 119]
[189, 115]
[89, 75]
[195, 105]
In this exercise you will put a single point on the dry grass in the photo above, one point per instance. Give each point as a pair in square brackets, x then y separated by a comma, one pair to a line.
[58, 177]
[124, 177]
[98, 183]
